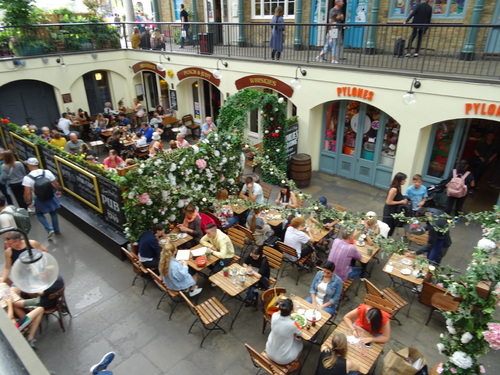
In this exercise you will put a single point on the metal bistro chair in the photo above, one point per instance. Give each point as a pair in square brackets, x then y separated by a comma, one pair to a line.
[265, 298]
[299, 263]
[442, 301]
[381, 304]
[174, 295]
[138, 268]
[59, 309]
[209, 313]
[266, 191]
[238, 238]
[275, 259]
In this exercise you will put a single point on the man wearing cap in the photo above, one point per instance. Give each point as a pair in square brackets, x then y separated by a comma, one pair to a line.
[42, 206]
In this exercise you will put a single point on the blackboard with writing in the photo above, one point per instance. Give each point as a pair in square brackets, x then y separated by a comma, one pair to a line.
[173, 99]
[48, 160]
[79, 183]
[292, 140]
[25, 149]
[111, 203]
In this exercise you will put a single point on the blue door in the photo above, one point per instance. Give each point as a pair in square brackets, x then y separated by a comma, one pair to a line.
[319, 14]
[493, 42]
[356, 13]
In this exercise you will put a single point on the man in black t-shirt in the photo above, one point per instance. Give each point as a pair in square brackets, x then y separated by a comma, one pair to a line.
[185, 27]
[421, 15]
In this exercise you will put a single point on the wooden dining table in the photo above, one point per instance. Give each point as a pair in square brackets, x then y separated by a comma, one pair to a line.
[273, 217]
[318, 231]
[192, 262]
[179, 241]
[367, 255]
[234, 290]
[307, 334]
[169, 120]
[354, 353]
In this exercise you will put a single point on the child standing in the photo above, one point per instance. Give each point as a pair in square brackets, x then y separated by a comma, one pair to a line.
[417, 193]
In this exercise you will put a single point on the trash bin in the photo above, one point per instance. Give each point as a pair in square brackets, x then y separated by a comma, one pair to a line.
[206, 41]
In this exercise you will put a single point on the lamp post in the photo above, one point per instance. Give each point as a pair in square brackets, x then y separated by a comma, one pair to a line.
[34, 271]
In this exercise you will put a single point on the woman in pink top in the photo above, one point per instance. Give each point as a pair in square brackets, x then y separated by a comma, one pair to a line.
[181, 142]
[113, 161]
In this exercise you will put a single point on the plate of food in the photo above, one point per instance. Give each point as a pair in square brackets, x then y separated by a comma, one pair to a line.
[182, 235]
[270, 217]
[406, 271]
[406, 261]
[301, 321]
[173, 237]
[360, 243]
[313, 313]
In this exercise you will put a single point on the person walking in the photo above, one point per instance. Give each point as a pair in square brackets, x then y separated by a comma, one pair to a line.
[185, 27]
[41, 183]
[422, 14]
[394, 200]
[277, 27]
[13, 173]
[331, 42]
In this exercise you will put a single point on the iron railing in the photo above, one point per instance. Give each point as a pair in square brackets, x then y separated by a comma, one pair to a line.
[458, 50]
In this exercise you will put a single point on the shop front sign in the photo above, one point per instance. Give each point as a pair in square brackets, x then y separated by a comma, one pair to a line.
[146, 65]
[485, 109]
[264, 81]
[198, 73]
[355, 92]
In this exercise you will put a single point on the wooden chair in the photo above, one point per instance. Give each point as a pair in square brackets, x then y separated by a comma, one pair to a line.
[299, 263]
[345, 286]
[142, 152]
[188, 121]
[60, 308]
[387, 294]
[250, 157]
[214, 218]
[262, 361]
[174, 295]
[265, 298]
[235, 259]
[209, 313]
[418, 240]
[138, 268]
[275, 259]
[442, 301]
[381, 304]
[248, 232]
[300, 202]
[238, 239]
[266, 190]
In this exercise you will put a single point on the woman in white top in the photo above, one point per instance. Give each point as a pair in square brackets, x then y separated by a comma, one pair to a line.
[298, 238]
[325, 289]
[139, 111]
[284, 343]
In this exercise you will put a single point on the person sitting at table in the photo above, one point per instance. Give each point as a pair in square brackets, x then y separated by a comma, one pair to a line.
[298, 238]
[58, 140]
[181, 142]
[333, 361]
[284, 343]
[257, 263]
[85, 150]
[177, 275]
[74, 144]
[259, 228]
[112, 161]
[183, 130]
[156, 144]
[147, 131]
[156, 120]
[191, 225]
[207, 127]
[114, 142]
[140, 140]
[370, 229]
[325, 289]
[219, 244]
[91, 159]
[46, 136]
[224, 212]
[252, 191]
[124, 121]
[84, 119]
[372, 320]
[160, 110]
[342, 254]
[173, 145]
[64, 123]
[99, 124]
[286, 197]
[149, 246]
[108, 111]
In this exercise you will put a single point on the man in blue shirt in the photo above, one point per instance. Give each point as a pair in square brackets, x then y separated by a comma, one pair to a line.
[417, 193]
[147, 131]
[123, 121]
[207, 128]
[149, 246]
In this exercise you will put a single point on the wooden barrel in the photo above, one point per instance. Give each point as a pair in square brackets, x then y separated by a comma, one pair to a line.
[300, 170]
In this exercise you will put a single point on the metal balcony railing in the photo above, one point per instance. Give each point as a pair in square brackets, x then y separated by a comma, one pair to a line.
[458, 51]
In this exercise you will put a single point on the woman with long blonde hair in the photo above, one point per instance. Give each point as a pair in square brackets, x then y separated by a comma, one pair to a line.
[333, 361]
[176, 274]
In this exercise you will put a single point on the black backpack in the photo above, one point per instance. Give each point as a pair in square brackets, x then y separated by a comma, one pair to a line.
[43, 188]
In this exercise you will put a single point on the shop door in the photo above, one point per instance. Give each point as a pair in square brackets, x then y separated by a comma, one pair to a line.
[357, 12]
[29, 102]
[493, 42]
[151, 90]
[213, 10]
[211, 100]
[97, 90]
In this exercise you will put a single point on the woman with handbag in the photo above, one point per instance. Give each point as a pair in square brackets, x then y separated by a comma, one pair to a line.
[177, 275]
[284, 343]
[13, 173]
[333, 361]
[393, 201]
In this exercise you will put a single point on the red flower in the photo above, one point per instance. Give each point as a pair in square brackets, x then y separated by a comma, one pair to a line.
[275, 135]
[5, 121]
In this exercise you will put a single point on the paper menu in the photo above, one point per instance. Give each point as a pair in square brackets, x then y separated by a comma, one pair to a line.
[182, 254]
[198, 252]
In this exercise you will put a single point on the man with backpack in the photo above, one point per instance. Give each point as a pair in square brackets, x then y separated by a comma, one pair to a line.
[42, 183]
[458, 184]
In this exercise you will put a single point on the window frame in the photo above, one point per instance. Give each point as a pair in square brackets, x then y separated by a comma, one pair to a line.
[442, 16]
[272, 2]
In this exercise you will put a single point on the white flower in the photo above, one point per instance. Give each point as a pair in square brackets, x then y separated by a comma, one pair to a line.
[462, 360]
[466, 337]
[180, 204]
[217, 153]
[452, 330]
[171, 217]
[486, 244]
[277, 150]
[453, 290]
[276, 109]
[130, 195]
[143, 212]
[271, 118]
[449, 322]
[173, 167]
[281, 100]
[155, 220]
[139, 171]
[440, 348]
[277, 131]
[267, 131]
[231, 180]
[195, 149]
[142, 165]
[149, 202]
[165, 195]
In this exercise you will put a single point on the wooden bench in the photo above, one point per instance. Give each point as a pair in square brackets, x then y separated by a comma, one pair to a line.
[250, 156]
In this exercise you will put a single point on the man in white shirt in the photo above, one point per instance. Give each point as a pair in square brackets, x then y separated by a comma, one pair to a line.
[252, 191]
[207, 128]
[141, 140]
[64, 124]
[108, 110]
[298, 239]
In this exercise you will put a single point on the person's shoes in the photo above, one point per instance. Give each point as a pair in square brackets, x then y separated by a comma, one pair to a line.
[50, 235]
[335, 62]
[407, 55]
[103, 365]
[195, 292]
[32, 343]
[415, 55]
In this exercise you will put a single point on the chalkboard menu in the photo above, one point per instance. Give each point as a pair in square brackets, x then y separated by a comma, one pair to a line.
[48, 160]
[79, 183]
[292, 140]
[173, 99]
[25, 149]
[111, 202]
